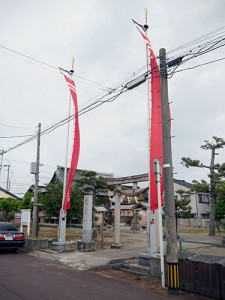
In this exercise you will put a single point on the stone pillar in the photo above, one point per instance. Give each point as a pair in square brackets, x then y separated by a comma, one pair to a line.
[134, 186]
[87, 245]
[116, 239]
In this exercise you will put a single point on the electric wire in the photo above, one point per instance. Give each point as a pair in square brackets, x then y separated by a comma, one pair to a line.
[29, 57]
[17, 127]
[101, 86]
[199, 39]
[211, 47]
[82, 111]
[200, 65]
[203, 49]
[62, 122]
[15, 136]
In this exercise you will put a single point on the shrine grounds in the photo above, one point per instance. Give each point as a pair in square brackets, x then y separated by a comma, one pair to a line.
[191, 239]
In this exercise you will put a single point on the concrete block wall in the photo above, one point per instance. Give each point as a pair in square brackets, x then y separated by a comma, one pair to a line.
[201, 223]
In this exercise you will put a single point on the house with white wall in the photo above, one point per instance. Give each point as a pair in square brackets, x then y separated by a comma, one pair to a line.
[199, 201]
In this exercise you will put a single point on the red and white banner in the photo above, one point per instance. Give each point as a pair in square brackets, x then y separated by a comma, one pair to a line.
[156, 143]
[76, 145]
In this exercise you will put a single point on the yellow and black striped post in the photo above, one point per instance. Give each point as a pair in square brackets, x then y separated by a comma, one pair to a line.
[173, 279]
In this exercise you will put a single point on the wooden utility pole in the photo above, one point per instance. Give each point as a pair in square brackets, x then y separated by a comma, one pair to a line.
[171, 241]
[35, 204]
[8, 182]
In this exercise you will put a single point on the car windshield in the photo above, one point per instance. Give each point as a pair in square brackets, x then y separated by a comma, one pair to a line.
[7, 227]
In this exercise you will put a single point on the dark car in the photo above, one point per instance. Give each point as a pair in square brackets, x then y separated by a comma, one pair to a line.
[10, 237]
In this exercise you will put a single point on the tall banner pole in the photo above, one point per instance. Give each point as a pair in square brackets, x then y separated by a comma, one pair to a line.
[158, 173]
[151, 226]
[62, 216]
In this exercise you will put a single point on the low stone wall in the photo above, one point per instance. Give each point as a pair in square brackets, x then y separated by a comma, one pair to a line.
[32, 244]
[201, 223]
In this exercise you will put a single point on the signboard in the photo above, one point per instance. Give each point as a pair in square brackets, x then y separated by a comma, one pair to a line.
[25, 220]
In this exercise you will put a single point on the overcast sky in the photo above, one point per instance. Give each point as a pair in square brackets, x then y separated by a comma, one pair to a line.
[107, 49]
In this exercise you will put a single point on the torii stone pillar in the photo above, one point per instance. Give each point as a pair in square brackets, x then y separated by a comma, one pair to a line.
[87, 245]
[116, 239]
[134, 186]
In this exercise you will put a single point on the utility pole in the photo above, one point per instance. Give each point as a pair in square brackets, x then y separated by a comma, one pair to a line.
[7, 184]
[1, 153]
[35, 205]
[171, 241]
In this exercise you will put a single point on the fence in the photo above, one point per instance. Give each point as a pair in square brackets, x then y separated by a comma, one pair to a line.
[202, 274]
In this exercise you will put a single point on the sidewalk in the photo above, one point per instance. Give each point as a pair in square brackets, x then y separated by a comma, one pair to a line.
[132, 245]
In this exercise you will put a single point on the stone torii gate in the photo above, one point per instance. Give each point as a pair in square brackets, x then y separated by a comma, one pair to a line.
[116, 196]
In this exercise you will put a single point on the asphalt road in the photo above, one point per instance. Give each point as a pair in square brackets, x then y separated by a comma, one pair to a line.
[23, 276]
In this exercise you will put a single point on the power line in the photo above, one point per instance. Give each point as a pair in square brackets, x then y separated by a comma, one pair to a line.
[209, 46]
[17, 127]
[200, 65]
[15, 136]
[52, 66]
[203, 49]
[62, 122]
[82, 111]
[200, 39]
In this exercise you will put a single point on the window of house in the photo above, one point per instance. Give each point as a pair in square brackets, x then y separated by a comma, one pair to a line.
[186, 197]
[204, 216]
[203, 198]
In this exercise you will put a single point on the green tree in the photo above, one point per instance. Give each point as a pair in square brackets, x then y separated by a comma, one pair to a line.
[52, 202]
[90, 182]
[75, 213]
[216, 172]
[183, 208]
[8, 208]
[200, 187]
[26, 202]
[220, 204]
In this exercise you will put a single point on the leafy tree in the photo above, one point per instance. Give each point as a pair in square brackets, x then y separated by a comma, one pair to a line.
[183, 208]
[75, 213]
[220, 204]
[90, 182]
[200, 187]
[26, 202]
[52, 202]
[216, 172]
[8, 207]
